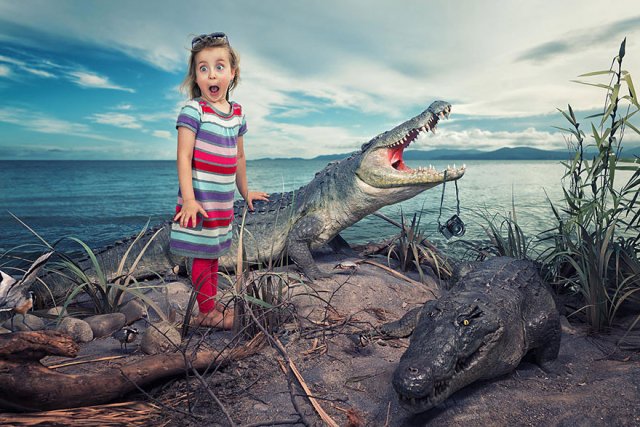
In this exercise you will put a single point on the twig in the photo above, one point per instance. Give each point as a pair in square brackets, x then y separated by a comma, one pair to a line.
[212, 394]
[386, 423]
[325, 417]
[80, 362]
[284, 354]
[158, 402]
[273, 423]
[398, 275]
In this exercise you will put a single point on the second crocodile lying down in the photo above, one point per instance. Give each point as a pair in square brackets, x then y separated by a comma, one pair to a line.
[292, 224]
[497, 313]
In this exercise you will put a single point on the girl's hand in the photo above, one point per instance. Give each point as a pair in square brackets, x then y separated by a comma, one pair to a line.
[189, 213]
[256, 195]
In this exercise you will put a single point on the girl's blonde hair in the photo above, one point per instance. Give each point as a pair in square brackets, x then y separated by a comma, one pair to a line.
[189, 84]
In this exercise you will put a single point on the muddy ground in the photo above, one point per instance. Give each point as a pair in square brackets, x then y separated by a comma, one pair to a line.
[597, 384]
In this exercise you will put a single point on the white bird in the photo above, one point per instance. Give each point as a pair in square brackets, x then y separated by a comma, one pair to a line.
[15, 295]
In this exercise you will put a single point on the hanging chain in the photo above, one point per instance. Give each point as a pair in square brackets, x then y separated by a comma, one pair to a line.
[444, 184]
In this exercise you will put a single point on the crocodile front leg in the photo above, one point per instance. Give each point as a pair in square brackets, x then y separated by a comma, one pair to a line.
[298, 242]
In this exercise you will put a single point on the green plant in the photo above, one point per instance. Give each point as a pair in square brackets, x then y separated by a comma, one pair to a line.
[106, 291]
[506, 237]
[596, 241]
[411, 248]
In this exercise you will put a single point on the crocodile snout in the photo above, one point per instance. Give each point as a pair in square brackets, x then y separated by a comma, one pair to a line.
[412, 380]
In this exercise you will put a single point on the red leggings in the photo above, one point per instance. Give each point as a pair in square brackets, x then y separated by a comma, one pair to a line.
[204, 279]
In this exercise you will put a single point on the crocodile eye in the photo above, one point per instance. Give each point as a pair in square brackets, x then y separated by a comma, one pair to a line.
[465, 322]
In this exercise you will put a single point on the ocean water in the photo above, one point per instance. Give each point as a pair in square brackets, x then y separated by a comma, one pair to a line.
[103, 201]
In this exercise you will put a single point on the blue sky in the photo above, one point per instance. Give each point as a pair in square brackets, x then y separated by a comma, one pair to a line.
[99, 79]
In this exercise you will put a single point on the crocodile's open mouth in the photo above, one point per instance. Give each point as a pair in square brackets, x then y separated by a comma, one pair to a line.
[383, 166]
[396, 149]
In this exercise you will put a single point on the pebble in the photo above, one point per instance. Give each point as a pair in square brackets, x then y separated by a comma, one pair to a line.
[133, 310]
[79, 330]
[176, 301]
[161, 337]
[261, 407]
[31, 323]
[55, 311]
[103, 325]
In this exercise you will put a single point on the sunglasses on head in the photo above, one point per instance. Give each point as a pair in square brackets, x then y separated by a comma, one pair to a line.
[206, 37]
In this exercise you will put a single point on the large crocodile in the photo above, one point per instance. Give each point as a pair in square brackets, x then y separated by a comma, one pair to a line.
[496, 314]
[294, 223]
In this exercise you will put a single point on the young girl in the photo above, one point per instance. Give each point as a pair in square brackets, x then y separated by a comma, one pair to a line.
[210, 158]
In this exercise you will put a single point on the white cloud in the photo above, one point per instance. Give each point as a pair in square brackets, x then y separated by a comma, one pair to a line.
[492, 60]
[492, 140]
[164, 134]
[44, 123]
[116, 119]
[91, 80]
[10, 60]
[40, 73]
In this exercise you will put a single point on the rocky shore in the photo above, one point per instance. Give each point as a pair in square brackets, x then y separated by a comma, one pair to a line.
[597, 384]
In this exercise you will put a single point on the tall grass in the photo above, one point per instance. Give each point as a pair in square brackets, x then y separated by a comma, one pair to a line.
[597, 233]
[505, 237]
[106, 290]
[412, 249]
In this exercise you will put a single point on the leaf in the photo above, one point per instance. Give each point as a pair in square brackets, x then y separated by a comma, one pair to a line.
[594, 115]
[635, 129]
[600, 85]
[597, 73]
[621, 51]
[566, 130]
[569, 118]
[31, 230]
[573, 116]
[101, 277]
[632, 90]
[613, 103]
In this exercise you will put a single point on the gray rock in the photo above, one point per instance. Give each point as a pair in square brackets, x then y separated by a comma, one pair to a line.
[133, 310]
[4, 331]
[105, 324]
[160, 337]
[261, 407]
[30, 323]
[176, 301]
[78, 329]
[55, 311]
[178, 294]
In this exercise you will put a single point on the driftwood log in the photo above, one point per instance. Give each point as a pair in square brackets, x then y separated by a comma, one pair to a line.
[27, 385]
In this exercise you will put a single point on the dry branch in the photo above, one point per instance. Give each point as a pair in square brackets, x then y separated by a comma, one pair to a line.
[27, 385]
[112, 415]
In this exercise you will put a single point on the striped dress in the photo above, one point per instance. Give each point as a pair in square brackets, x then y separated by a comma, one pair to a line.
[214, 176]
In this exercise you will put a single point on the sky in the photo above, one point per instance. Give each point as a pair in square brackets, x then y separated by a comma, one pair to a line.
[98, 80]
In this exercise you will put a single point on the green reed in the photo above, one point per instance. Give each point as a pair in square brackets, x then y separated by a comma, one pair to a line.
[595, 242]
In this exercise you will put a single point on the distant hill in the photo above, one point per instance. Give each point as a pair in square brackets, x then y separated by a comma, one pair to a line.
[518, 153]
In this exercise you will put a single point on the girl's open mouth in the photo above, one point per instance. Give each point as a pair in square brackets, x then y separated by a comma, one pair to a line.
[214, 89]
